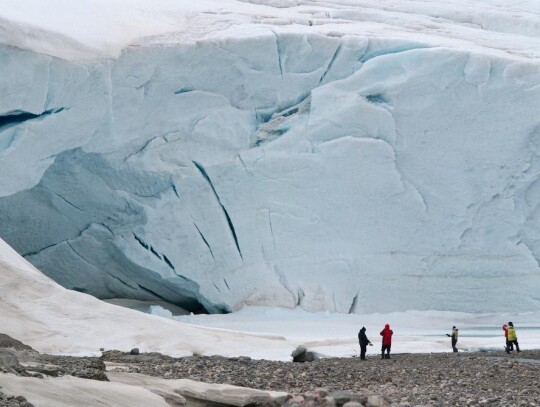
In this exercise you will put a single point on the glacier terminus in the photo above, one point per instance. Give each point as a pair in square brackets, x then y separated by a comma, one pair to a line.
[350, 156]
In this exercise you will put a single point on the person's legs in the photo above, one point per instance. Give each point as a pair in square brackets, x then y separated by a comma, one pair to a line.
[363, 352]
[382, 351]
[454, 342]
[388, 351]
[515, 342]
[509, 345]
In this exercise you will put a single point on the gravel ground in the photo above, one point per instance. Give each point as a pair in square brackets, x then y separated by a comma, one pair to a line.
[464, 379]
[439, 379]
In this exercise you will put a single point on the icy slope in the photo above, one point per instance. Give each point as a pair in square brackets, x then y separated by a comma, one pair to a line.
[350, 156]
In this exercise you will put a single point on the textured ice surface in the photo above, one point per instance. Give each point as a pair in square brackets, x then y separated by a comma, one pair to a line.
[342, 156]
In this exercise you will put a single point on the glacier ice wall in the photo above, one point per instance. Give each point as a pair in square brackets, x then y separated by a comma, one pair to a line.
[341, 173]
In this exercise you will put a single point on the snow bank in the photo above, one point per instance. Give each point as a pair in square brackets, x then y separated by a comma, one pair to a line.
[69, 391]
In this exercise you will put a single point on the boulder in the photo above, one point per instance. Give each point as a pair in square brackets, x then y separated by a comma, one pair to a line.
[8, 359]
[7, 341]
[91, 374]
[301, 354]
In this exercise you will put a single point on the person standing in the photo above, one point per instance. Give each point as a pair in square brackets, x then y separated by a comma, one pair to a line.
[386, 334]
[512, 337]
[509, 346]
[454, 337]
[364, 342]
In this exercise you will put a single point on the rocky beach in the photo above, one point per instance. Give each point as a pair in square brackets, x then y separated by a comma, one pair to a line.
[438, 379]
[484, 378]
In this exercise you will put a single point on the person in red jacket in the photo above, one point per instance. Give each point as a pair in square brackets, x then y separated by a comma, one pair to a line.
[509, 345]
[386, 334]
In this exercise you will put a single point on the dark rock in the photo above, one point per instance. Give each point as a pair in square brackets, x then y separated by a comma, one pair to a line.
[301, 355]
[49, 371]
[91, 374]
[239, 359]
[244, 359]
[7, 341]
[22, 372]
[134, 351]
[8, 359]
[112, 355]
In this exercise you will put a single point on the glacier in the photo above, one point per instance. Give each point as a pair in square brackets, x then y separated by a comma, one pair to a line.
[339, 155]
[56, 320]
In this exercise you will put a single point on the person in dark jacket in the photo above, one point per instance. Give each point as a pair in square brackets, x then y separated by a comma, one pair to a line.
[364, 342]
[386, 334]
[454, 337]
[512, 337]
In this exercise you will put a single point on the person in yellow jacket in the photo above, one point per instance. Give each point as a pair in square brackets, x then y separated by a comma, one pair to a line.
[512, 337]
[454, 337]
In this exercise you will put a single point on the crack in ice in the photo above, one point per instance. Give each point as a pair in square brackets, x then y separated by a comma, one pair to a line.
[228, 218]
